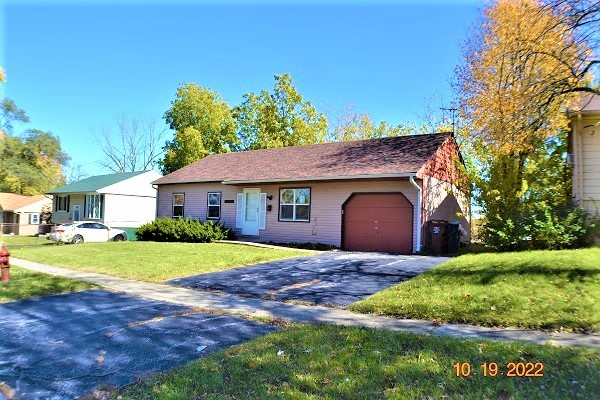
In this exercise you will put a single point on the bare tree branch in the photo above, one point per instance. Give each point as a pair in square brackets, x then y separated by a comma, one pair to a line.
[136, 145]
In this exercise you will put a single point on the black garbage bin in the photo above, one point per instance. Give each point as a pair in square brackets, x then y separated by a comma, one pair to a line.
[453, 237]
[437, 238]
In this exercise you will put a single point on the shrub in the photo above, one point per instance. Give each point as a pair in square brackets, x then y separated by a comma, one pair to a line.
[561, 229]
[183, 230]
[543, 227]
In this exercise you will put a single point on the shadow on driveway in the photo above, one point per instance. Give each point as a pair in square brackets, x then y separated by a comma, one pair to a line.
[332, 278]
[63, 346]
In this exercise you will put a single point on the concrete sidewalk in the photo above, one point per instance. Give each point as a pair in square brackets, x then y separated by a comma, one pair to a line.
[308, 314]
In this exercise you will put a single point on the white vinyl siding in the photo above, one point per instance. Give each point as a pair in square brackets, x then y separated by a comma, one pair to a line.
[586, 168]
[128, 211]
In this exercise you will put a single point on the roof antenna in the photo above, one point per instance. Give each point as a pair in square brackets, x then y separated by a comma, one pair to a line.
[454, 110]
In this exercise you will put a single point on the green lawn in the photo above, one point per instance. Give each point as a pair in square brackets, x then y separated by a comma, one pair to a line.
[24, 284]
[23, 240]
[536, 289]
[330, 362]
[151, 261]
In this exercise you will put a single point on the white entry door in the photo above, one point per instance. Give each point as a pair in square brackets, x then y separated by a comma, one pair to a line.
[76, 213]
[250, 212]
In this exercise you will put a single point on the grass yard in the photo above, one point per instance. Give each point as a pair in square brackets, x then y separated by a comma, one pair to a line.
[151, 261]
[536, 289]
[23, 240]
[330, 362]
[24, 284]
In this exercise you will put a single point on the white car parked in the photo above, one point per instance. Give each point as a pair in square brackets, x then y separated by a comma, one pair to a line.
[86, 231]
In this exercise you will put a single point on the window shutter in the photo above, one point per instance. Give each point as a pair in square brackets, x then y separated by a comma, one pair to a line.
[55, 200]
[262, 213]
[85, 201]
[239, 215]
[101, 206]
[68, 202]
[29, 219]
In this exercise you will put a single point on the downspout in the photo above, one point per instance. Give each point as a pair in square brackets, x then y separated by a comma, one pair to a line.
[155, 187]
[419, 194]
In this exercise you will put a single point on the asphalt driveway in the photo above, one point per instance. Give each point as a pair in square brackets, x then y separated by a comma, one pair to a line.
[63, 346]
[331, 278]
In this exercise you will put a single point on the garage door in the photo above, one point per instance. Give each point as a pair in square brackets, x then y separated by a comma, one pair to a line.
[378, 222]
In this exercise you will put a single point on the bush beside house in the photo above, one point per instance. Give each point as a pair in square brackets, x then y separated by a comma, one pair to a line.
[183, 230]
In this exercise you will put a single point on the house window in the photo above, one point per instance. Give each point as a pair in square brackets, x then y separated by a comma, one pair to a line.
[214, 206]
[34, 219]
[178, 203]
[93, 206]
[294, 204]
[61, 203]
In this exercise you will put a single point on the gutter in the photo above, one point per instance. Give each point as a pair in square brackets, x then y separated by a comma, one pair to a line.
[318, 178]
[420, 193]
[227, 181]
[155, 187]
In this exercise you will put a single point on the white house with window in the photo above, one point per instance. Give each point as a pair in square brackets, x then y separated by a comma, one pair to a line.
[123, 200]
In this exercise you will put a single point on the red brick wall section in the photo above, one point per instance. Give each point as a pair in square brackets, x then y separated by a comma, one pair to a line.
[443, 164]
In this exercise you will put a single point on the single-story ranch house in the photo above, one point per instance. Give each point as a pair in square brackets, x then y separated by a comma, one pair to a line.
[123, 200]
[22, 215]
[366, 195]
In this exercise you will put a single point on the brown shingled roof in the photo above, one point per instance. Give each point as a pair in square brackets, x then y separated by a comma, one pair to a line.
[12, 201]
[376, 157]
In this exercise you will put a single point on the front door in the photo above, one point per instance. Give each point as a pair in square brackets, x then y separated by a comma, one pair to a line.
[76, 213]
[251, 206]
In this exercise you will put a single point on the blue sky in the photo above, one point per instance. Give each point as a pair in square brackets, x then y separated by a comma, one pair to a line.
[74, 65]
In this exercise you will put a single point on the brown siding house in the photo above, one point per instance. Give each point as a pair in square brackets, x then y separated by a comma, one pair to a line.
[367, 195]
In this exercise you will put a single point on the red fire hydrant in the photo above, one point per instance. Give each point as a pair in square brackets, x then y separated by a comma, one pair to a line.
[4, 264]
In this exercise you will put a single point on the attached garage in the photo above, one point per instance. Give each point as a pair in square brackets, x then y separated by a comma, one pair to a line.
[378, 222]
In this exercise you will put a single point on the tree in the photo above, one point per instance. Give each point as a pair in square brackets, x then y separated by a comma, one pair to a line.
[184, 149]
[200, 115]
[9, 112]
[278, 119]
[32, 164]
[76, 173]
[519, 74]
[135, 146]
[351, 125]
[582, 19]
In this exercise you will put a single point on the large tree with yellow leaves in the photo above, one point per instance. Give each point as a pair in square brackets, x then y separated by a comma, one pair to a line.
[32, 162]
[523, 67]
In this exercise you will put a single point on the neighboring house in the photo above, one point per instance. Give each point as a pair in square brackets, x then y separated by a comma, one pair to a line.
[368, 195]
[122, 200]
[21, 215]
[584, 152]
